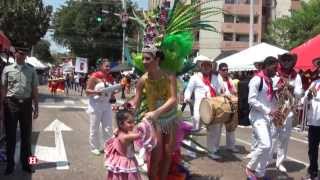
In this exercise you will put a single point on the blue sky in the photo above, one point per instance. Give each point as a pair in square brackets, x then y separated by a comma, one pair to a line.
[57, 3]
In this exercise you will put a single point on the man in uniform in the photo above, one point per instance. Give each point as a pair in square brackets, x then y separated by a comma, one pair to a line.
[19, 89]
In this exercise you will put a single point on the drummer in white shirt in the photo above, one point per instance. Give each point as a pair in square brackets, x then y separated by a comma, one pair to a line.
[204, 84]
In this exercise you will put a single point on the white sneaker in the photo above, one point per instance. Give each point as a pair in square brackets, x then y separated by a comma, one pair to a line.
[282, 168]
[96, 152]
[191, 154]
[248, 156]
[214, 156]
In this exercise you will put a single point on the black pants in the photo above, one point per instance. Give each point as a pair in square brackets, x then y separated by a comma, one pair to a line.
[16, 111]
[314, 140]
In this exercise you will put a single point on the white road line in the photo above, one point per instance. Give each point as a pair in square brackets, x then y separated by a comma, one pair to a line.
[69, 102]
[62, 107]
[288, 157]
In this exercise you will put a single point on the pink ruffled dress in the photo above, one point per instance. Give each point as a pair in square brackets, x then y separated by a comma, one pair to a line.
[120, 161]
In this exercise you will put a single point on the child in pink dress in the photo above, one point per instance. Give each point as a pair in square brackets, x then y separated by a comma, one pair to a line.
[119, 152]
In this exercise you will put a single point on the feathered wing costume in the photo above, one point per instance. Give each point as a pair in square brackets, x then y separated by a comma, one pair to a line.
[172, 31]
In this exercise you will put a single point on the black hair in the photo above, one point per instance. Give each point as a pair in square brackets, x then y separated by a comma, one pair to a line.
[268, 61]
[122, 115]
[222, 65]
[287, 56]
[160, 55]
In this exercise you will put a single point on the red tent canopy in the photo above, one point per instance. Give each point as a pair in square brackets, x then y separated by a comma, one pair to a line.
[5, 43]
[307, 52]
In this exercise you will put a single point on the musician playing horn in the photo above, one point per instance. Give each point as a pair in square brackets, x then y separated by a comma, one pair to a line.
[312, 99]
[287, 78]
[203, 84]
[263, 111]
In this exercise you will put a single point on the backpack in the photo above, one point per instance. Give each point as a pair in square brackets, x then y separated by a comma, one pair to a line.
[243, 105]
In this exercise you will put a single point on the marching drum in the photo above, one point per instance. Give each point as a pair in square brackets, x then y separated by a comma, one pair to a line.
[220, 109]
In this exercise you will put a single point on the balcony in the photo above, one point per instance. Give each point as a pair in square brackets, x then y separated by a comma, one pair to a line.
[242, 28]
[241, 9]
[233, 45]
[295, 5]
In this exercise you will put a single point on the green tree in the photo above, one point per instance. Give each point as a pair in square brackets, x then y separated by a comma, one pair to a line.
[82, 28]
[289, 32]
[42, 51]
[24, 21]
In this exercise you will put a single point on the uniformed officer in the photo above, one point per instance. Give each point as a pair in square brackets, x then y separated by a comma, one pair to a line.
[19, 89]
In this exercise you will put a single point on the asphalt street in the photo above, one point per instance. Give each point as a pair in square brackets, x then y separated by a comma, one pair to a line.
[60, 139]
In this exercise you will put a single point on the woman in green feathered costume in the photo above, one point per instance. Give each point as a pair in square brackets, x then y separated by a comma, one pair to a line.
[168, 41]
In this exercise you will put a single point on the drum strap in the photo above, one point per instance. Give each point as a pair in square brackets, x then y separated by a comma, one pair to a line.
[233, 109]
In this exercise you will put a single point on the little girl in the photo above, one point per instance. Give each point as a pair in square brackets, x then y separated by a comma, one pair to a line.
[119, 152]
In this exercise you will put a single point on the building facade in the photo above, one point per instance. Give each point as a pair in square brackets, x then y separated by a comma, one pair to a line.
[233, 25]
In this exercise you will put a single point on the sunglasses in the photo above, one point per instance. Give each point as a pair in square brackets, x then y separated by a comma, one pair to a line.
[224, 70]
[21, 52]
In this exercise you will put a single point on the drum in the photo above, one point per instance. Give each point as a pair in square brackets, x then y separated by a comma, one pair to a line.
[220, 109]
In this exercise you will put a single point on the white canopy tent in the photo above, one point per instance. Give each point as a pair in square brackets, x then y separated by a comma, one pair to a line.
[35, 63]
[4, 59]
[244, 60]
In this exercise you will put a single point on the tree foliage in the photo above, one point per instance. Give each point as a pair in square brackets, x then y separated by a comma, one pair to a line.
[289, 32]
[24, 21]
[42, 51]
[76, 27]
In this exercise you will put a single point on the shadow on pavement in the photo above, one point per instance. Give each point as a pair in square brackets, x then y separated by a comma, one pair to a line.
[199, 177]
[46, 165]
[277, 175]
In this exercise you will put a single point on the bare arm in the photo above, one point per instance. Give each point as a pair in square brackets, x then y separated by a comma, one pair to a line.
[135, 102]
[35, 99]
[130, 136]
[90, 87]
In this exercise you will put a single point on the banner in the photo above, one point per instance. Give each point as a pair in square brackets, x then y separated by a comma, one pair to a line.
[81, 65]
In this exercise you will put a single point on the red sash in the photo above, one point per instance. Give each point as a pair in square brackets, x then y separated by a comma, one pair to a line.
[207, 81]
[269, 84]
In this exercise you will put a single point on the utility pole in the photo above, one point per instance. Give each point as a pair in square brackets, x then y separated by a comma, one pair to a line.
[124, 26]
[251, 23]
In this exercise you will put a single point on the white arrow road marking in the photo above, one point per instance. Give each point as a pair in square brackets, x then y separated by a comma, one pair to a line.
[55, 154]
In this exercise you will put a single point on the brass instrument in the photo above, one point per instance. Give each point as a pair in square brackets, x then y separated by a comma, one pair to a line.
[286, 102]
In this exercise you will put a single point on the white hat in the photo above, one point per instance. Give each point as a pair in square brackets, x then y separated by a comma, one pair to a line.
[202, 58]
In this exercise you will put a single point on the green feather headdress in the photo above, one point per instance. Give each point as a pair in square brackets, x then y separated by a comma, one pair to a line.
[171, 31]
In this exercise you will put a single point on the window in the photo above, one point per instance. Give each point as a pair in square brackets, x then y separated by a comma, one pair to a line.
[242, 37]
[228, 18]
[227, 36]
[229, 1]
[246, 19]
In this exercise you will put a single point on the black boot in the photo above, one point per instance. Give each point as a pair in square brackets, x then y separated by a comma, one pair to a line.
[10, 168]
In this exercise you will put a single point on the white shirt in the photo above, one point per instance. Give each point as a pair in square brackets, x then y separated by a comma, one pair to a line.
[260, 103]
[225, 90]
[296, 83]
[201, 90]
[313, 106]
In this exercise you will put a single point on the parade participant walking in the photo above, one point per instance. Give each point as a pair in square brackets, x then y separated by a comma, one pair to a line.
[19, 91]
[203, 84]
[263, 112]
[99, 107]
[312, 101]
[227, 88]
[160, 89]
[119, 151]
[286, 77]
